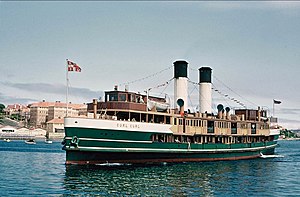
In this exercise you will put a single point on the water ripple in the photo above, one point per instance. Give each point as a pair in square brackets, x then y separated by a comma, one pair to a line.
[40, 171]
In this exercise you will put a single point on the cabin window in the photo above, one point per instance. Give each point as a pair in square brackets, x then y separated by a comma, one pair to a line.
[122, 97]
[175, 121]
[243, 126]
[132, 98]
[210, 127]
[252, 114]
[113, 97]
[168, 120]
[129, 97]
[187, 122]
[233, 128]
[180, 121]
[158, 119]
[253, 128]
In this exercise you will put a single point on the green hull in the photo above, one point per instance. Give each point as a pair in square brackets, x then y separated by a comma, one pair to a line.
[97, 146]
[90, 157]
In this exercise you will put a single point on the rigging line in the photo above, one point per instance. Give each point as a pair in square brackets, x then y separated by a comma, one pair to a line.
[193, 82]
[196, 86]
[191, 94]
[220, 93]
[230, 98]
[234, 91]
[200, 95]
[161, 85]
[225, 100]
[141, 79]
[167, 84]
[193, 69]
[216, 90]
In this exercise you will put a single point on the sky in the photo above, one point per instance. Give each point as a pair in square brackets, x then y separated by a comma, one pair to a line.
[252, 47]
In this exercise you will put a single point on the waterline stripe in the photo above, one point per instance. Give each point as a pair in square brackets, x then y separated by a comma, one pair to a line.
[111, 140]
[107, 149]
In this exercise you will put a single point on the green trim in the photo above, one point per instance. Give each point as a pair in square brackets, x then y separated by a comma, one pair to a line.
[107, 134]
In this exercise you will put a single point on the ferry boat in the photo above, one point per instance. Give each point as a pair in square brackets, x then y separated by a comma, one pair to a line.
[124, 129]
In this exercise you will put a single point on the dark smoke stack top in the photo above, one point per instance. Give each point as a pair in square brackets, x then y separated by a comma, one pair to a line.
[205, 75]
[180, 69]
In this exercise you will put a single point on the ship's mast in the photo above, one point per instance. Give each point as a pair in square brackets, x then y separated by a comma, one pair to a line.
[67, 87]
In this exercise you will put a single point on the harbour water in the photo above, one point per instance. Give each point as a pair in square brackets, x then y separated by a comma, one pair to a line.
[39, 170]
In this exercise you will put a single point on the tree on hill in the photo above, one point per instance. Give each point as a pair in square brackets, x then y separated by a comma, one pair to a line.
[1, 107]
[1, 111]
[287, 133]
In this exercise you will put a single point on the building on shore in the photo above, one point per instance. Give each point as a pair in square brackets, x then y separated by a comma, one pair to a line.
[43, 112]
[55, 125]
[55, 128]
[14, 133]
[16, 109]
[17, 112]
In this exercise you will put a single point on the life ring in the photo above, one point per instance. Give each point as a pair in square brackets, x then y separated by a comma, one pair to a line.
[75, 141]
[63, 142]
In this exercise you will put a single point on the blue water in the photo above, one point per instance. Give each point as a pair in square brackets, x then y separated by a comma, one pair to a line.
[39, 170]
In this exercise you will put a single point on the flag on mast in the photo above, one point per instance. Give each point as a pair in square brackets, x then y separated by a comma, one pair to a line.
[276, 101]
[72, 66]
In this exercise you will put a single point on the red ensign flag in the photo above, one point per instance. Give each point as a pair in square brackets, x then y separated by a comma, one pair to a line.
[72, 66]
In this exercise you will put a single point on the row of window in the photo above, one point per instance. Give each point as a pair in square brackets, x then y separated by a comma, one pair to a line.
[203, 123]
[123, 97]
[193, 123]
[209, 139]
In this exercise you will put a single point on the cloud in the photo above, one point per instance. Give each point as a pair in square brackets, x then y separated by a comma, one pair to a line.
[19, 92]
[225, 5]
[288, 123]
[11, 100]
[289, 111]
[267, 5]
[282, 4]
[289, 120]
